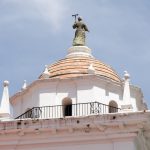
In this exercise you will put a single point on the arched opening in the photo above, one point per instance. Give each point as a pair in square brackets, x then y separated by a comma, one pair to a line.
[67, 106]
[113, 107]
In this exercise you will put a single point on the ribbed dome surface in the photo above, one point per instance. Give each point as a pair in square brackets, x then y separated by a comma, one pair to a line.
[78, 66]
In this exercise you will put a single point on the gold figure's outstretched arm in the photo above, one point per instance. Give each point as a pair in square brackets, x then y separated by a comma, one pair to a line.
[86, 28]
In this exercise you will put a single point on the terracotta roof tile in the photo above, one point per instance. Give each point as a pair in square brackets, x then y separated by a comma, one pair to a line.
[78, 66]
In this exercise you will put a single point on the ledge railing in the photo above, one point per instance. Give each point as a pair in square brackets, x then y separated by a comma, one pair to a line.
[75, 110]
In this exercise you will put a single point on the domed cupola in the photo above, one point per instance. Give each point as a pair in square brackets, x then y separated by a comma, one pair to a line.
[77, 63]
[79, 60]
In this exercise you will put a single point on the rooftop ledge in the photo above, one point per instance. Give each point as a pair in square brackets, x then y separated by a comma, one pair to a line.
[93, 123]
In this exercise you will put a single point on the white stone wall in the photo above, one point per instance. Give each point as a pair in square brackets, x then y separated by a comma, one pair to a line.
[80, 90]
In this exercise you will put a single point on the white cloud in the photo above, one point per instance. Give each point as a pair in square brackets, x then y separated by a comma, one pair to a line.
[52, 11]
[49, 11]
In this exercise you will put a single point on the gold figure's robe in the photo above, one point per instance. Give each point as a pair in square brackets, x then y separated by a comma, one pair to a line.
[79, 38]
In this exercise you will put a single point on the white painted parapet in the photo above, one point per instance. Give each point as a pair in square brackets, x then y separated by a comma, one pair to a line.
[121, 131]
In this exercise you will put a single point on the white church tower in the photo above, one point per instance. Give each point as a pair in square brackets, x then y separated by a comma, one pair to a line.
[78, 102]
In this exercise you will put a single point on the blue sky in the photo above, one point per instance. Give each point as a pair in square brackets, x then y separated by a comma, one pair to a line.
[38, 32]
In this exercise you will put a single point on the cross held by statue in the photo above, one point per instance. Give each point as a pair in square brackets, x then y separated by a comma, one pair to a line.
[75, 16]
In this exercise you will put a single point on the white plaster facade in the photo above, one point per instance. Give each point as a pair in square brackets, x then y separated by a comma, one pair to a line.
[90, 88]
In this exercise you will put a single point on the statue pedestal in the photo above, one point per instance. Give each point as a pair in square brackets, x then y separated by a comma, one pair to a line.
[79, 51]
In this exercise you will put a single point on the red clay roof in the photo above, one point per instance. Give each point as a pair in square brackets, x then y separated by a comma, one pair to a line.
[78, 66]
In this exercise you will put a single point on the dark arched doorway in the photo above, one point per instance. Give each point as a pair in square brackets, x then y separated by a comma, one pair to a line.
[113, 107]
[67, 106]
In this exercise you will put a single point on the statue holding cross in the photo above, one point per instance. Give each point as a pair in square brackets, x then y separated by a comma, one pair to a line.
[81, 28]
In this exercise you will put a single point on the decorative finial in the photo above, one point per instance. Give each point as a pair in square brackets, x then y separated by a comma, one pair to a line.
[127, 105]
[80, 26]
[91, 69]
[46, 73]
[5, 104]
[5, 83]
[126, 75]
[24, 85]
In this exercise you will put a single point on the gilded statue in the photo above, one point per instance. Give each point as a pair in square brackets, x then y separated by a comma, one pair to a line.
[81, 28]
